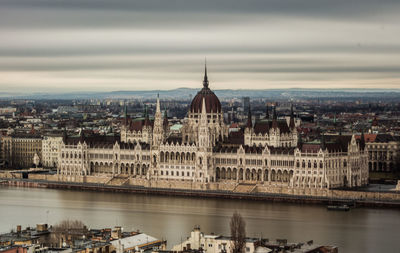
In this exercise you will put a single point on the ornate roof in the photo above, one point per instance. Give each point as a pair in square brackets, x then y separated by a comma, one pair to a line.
[212, 102]
[264, 126]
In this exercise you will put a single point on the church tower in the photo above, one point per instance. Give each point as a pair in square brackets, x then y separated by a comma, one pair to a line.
[158, 130]
[204, 134]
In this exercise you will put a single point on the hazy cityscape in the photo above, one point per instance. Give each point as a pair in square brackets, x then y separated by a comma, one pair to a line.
[199, 126]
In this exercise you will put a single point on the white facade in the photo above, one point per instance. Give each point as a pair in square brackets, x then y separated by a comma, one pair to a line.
[268, 154]
[211, 243]
[51, 148]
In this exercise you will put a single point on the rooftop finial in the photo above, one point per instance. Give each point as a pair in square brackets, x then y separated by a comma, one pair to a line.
[205, 81]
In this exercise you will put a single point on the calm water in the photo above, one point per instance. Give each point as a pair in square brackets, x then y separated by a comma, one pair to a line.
[360, 230]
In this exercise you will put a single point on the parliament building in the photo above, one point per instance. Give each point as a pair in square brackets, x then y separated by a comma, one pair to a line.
[268, 151]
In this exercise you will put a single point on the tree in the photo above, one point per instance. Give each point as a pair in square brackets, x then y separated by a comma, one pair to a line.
[238, 233]
[67, 231]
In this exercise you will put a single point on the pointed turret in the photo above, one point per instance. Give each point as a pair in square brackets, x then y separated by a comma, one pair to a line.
[362, 141]
[323, 143]
[299, 141]
[274, 119]
[81, 136]
[146, 117]
[291, 122]
[205, 81]
[125, 115]
[65, 135]
[203, 112]
[158, 129]
[158, 104]
[165, 122]
[203, 134]
[249, 121]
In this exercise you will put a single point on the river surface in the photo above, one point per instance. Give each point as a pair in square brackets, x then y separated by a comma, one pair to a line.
[172, 218]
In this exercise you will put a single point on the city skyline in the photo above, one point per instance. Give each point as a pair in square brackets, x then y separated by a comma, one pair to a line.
[50, 46]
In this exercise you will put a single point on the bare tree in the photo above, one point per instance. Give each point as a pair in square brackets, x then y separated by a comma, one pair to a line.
[67, 231]
[238, 233]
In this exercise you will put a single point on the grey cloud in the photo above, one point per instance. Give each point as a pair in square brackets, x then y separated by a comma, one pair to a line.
[183, 13]
[51, 42]
[201, 51]
[262, 6]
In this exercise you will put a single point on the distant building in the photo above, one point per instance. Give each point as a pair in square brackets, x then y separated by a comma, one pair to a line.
[19, 149]
[245, 103]
[7, 110]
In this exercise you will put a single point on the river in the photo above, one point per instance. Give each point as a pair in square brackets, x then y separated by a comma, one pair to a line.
[172, 218]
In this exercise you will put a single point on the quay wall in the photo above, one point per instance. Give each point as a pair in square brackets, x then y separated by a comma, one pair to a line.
[188, 188]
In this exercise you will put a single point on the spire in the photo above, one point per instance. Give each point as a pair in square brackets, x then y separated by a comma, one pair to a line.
[158, 104]
[291, 123]
[126, 115]
[165, 122]
[65, 135]
[362, 140]
[146, 117]
[299, 141]
[323, 143]
[274, 119]
[81, 136]
[267, 113]
[203, 108]
[249, 122]
[205, 81]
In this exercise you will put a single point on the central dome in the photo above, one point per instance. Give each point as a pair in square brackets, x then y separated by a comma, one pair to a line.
[212, 101]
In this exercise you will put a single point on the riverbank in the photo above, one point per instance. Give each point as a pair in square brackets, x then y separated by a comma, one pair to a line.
[255, 192]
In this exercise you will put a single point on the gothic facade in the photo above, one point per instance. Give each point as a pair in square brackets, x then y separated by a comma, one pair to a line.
[267, 152]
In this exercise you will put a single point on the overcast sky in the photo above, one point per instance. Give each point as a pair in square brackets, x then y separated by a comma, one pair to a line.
[105, 45]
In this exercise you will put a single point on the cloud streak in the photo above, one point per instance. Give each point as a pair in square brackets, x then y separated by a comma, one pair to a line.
[120, 44]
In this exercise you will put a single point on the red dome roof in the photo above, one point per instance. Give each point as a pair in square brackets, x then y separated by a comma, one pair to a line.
[212, 101]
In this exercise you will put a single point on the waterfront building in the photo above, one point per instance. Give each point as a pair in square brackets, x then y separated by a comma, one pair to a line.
[19, 149]
[51, 147]
[270, 151]
[383, 152]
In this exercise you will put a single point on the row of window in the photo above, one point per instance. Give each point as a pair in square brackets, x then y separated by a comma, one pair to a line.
[176, 173]
[225, 161]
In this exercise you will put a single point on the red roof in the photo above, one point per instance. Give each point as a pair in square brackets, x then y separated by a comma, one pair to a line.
[367, 137]
[212, 101]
